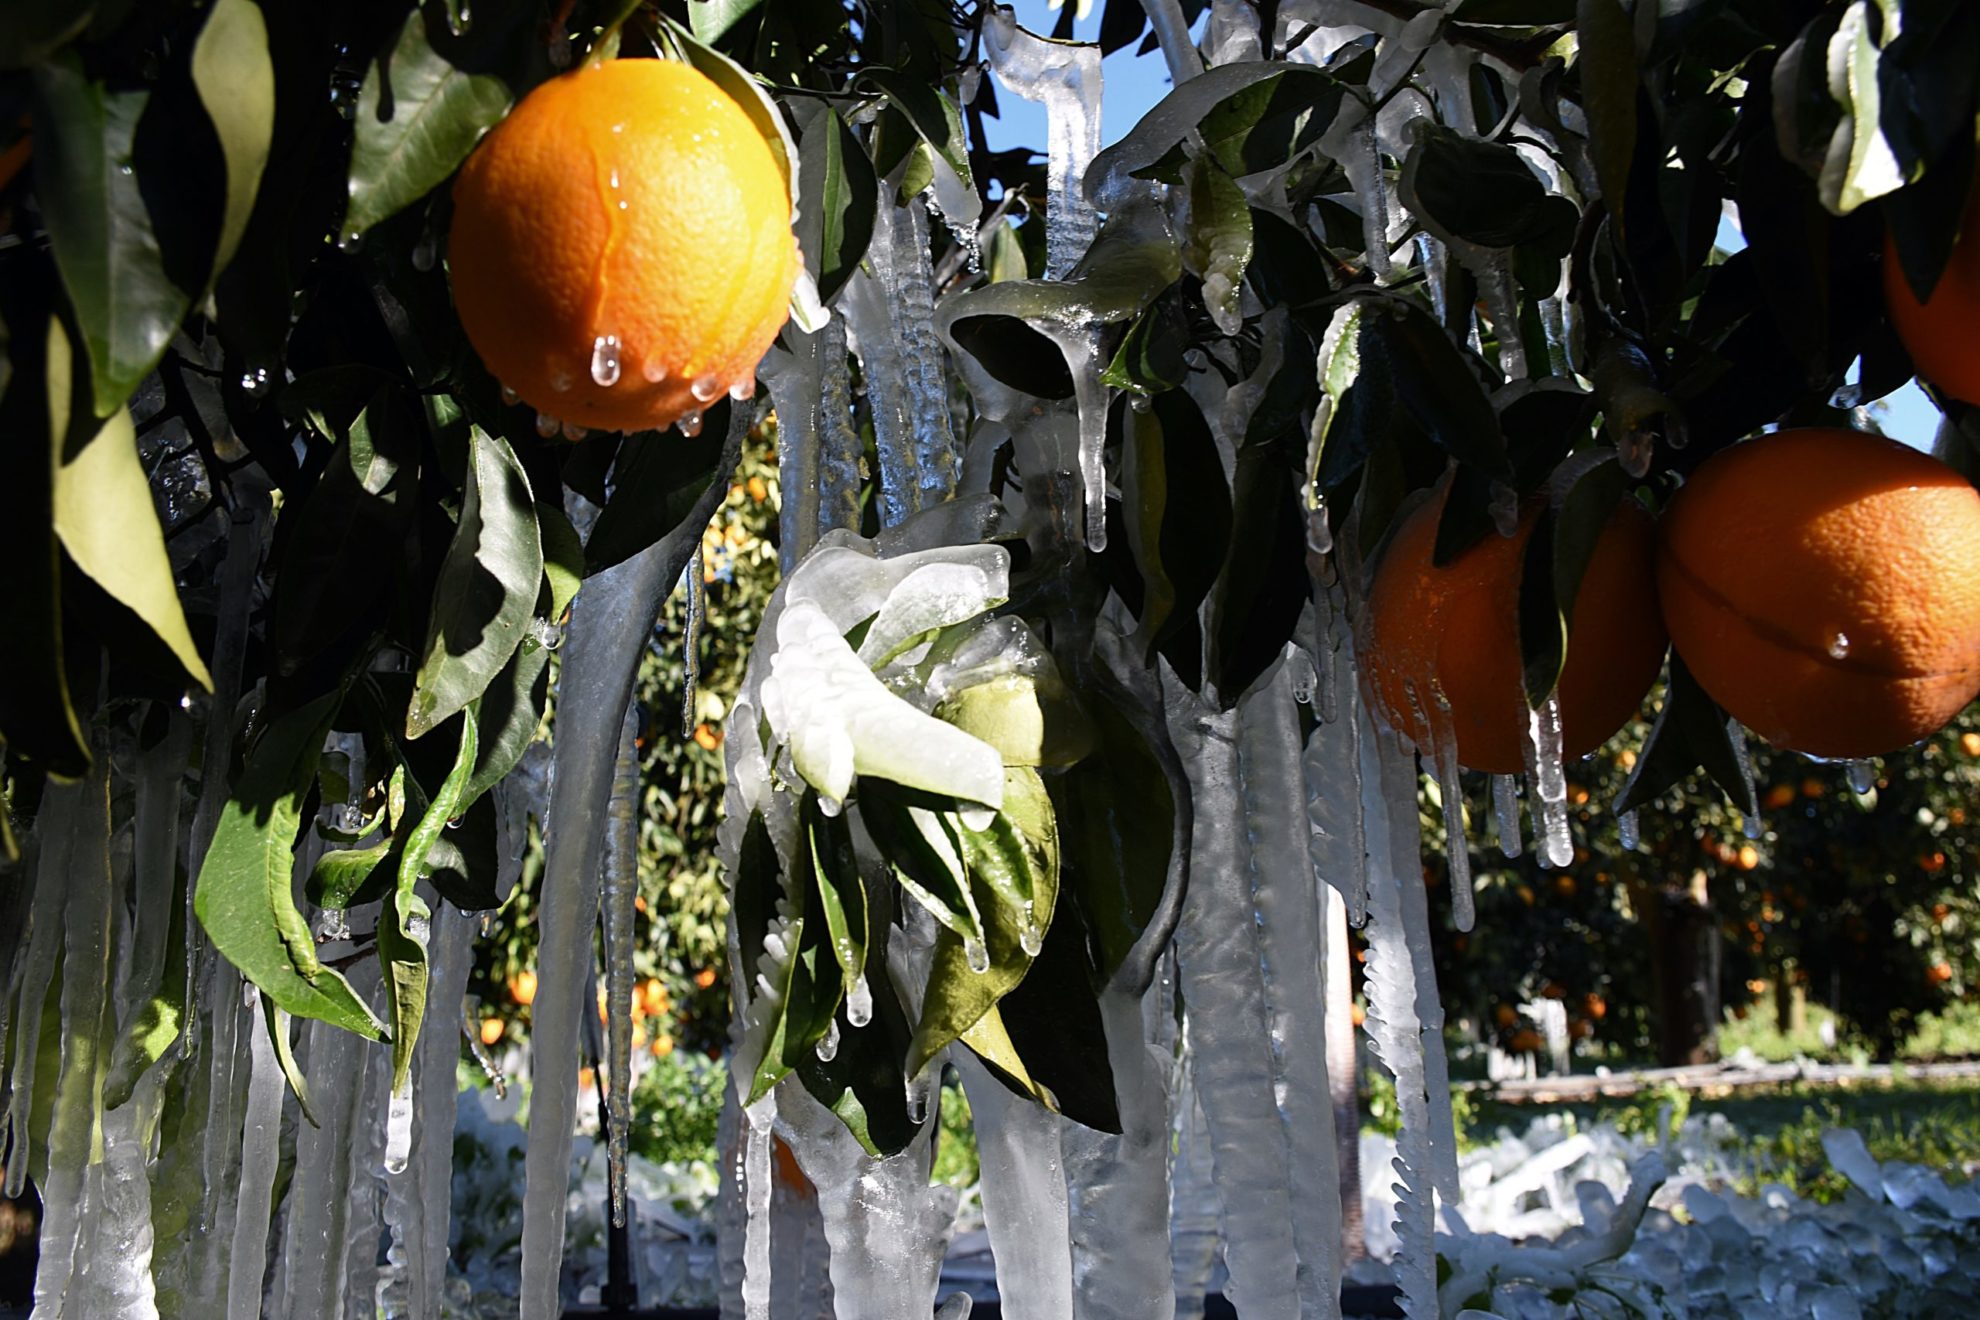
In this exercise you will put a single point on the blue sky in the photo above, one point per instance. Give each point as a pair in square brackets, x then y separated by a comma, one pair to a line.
[1132, 84]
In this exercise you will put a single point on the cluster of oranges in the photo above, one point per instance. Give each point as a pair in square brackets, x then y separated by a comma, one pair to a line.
[650, 1001]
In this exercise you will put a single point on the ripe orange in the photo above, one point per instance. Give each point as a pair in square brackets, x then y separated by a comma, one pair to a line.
[1455, 629]
[1942, 335]
[621, 249]
[1820, 585]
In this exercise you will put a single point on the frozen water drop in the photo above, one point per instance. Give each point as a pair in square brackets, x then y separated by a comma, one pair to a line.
[255, 383]
[1839, 646]
[1634, 451]
[574, 432]
[828, 1044]
[743, 389]
[424, 253]
[1031, 938]
[976, 819]
[705, 389]
[419, 928]
[510, 398]
[1627, 830]
[352, 239]
[859, 1002]
[605, 360]
[977, 955]
[830, 806]
[1319, 536]
[334, 924]
[547, 426]
[654, 370]
[614, 180]
[398, 1131]
[1862, 776]
[689, 424]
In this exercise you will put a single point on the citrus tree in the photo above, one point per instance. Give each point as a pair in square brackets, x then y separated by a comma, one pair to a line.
[358, 358]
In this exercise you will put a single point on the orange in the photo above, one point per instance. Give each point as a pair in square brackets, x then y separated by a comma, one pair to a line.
[621, 249]
[1819, 583]
[522, 988]
[1942, 335]
[1455, 630]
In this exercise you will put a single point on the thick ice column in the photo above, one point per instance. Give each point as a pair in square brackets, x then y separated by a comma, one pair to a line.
[1117, 1187]
[1270, 755]
[55, 832]
[1194, 1209]
[610, 622]
[1219, 962]
[317, 1237]
[1024, 1195]
[113, 1255]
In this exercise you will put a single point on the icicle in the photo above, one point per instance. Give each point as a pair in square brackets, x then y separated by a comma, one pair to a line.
[731, 1213]
[756, 1200]
[1505, 814]
[1117, 1186]
[1172, 34]
[1218, 959]
[1194, 1208]
[1736, 735]
[691, 645]
[1288, 911]
[1024, 1194]
[113, 1257]
[841, 451]
[619, 906]
[55, 831]
[1548, 783]
[1065, 78]
[316, 1233]
[1091, 398]
[490, 1069]
[859, 1003]
[1492, 268]
[794, 380]
[1395, 1032]
[430, 1176]
[1333, 787]
[363, 1187]
[78, 1105]
[1450, 791]
[610, 622]
[1627, 832]
[1862, 776]
[258, 1156]
[1362, 161]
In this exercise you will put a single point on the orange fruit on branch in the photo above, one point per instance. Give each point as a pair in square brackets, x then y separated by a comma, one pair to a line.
[1821, 584]
[1454, 630]
[621, 250]
[1942, 334]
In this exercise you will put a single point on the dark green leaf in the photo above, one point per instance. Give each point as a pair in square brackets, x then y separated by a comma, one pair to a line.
[487, 588]
[835, 214]
[1150, 358]
[1690, 732]
[915, 833]
[508, 714]
[1607, 65]
[863, 1080]
[1584, 515]
[1480, 192]
[243, 896]
[1116, 823]
[1175, 501]
[754, 896]
[659, 479]
[563, 561]
[840, 890]
[933, 115]
[420, 112]
[712, 19]
[276, 1023]
[1219, 245]
[1052, 1019]
[1542, 626]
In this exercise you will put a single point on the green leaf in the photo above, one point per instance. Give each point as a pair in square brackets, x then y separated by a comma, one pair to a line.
[1542, 624]
[339, 879]
[1175, 501]
[276, 1022]
[1052, 1021]
[508, 714]
[810, 993]
[712, 19]
[350, 530]
[1480, 192]
[658, 481]
[157, 1021]
[1219, 245]
[487, 588]
[1607, 65]
[236, 83]
[1338, 366]
[841, 893]
[934, 118]
[1014, 875]
[753, 897]
[1583, 517]
[1150, 358]
[243, 896]
[862, 1081]
[913, 832]
[1690, 732]
[1116, 825]
[100, 227]
[419, 113]
[404, 921]
[563, 560]
[839, 195]
[104, 513]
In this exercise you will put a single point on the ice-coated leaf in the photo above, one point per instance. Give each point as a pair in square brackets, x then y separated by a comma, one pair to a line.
[419, 113]
[243, 896]
[508, 714]
[659, 480]
[712, 19]
[563, 561]
[841, 892]
[236, 82]
[916, 833]
[931, 598]
[808, 994]
[939, 124]
[100, 227]
[1219, 245]
[1480, 192]
[1690, 731]
[1542, 622]
[840, 720]
[1150, 357]
[1583, 516]
[861, 1082]
[487, 588]
[838, 196]
[1175, 501]
[342, 876]
[104, 513]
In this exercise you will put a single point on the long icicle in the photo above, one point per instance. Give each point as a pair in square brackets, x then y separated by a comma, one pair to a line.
[259, 1151]
[611, 619]
[1282, 884]
[314, 1237]
[432, 1166]
[1024, 1194]
[620, 912]
[55, 831]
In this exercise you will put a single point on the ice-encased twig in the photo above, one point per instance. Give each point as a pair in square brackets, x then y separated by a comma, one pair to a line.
[1024, 1194]
[1270, 754]
[1219, 964]
[78, 1107]
[1065, 78]
[1117, 1187]
[611, 619]
[619, 908]
[249, 1258]
[697, 609]
[363, 1180]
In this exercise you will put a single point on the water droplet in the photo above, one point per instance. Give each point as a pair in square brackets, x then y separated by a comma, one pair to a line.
[654, 370]
[255, 382]
[424, 252]
[690, 424]
[743, 390]
[828, 1044]
[124, 169]
[1862, 776]
[546, 634]
[510, 398]
[1839, 646]
[350, 242]
[574, 432]
[618, 128]
[546, 425]
[859, 1002]
[419, 928]
[605, 360]
[350, 817]
[1031, 938]
[334, 924]
[614, 180]
[398, 1131]
[704, 389]
[977, 955]
[976, 819]
[1319, 536]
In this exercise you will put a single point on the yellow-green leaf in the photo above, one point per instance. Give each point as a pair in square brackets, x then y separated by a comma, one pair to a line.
[236, 83]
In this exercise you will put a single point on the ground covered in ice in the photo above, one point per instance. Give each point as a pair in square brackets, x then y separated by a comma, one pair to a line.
[1900, 1241]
